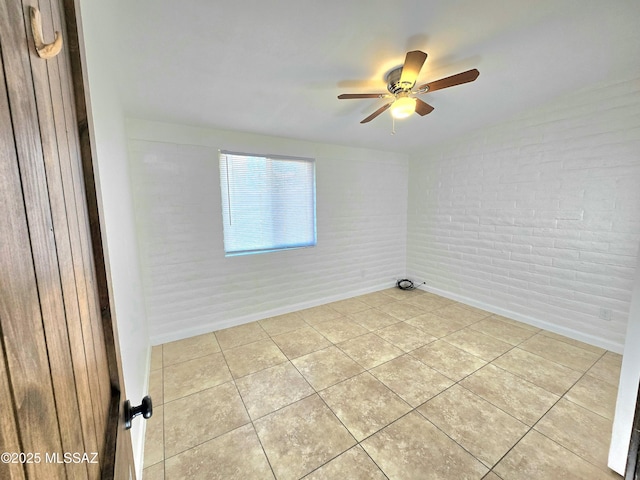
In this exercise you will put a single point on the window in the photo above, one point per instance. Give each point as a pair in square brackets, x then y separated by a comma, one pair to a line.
[268, 202]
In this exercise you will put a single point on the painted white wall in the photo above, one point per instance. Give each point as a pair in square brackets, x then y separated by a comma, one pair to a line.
[116, 208]
[628, 387]
[537, 218]
[191, 287]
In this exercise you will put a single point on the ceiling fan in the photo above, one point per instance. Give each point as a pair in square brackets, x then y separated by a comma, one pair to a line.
[400, 82]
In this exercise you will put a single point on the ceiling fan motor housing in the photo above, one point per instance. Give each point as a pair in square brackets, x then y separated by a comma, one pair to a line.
[393, 82]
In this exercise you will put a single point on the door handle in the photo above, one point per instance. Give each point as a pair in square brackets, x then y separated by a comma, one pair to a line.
[145, 409]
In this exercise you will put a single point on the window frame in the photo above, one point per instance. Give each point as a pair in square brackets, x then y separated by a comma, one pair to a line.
[226, 181]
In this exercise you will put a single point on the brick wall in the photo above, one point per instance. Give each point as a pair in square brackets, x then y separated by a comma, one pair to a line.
[191, 287]
[537, 218]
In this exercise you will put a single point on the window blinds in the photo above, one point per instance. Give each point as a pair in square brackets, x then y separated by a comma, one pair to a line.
[268, 202]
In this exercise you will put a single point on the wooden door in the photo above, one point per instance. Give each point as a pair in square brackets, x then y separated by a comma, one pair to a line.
[61, 389]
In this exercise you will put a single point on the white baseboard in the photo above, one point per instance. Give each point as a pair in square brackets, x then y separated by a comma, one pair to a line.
[192, 331]
[161, 338]
[536, 322]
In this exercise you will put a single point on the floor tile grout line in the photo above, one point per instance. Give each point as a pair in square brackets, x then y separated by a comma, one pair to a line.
[553, 337]
[264, 451]
[358, 442]
[517, 346]
[191, 359]
[449, 436]
[223, 433]
[582, 373]
[569, 450]
[412, 408]
[317, 393]
[532, 427]
[374, 462]
[458, 383]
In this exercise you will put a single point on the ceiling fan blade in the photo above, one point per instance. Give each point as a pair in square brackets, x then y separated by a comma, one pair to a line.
[345, 96]
[422, 108]
[452, 81]
[376, 113]
[411, 68]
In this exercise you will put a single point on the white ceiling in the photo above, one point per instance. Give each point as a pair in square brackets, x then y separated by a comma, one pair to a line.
[276, 67]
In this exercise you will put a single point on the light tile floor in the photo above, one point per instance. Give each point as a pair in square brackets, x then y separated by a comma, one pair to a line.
[393, 384]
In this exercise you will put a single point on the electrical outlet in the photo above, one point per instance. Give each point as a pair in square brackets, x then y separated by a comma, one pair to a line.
[605, 314]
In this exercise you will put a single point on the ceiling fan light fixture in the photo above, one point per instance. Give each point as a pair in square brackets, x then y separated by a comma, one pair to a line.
[403, 107]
